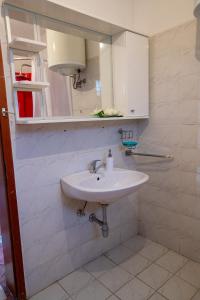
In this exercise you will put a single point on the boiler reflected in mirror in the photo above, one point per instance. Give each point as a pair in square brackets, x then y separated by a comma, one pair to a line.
[80, 75]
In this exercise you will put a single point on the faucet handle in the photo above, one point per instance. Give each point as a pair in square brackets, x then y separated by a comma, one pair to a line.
[93, 165]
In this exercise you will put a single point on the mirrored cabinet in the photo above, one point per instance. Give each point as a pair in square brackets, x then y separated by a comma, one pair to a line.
[131, 74]
[64, 73]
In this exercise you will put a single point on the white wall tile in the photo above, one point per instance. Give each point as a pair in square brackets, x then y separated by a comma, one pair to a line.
[169, 204]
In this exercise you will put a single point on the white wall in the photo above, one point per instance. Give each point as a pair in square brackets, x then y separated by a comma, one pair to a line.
[153, 16]
[144, 16]
[117, 12]
[169, 203]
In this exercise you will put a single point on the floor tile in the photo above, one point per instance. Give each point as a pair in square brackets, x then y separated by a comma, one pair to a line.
[113, 297]
[75, 281]
[154, 276]
[157, 296]
[136, 244]
[191, 273]
[94, 291]
[172, 261]
[153, 251]
[135, 290]
[115, 278]
[135, 264]
[119, 254]
[99, 266]
[152, 264]
[2, 294]
[51, 293]
[177, 289]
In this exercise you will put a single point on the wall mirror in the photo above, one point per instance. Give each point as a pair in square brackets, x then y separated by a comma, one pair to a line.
[58, 70]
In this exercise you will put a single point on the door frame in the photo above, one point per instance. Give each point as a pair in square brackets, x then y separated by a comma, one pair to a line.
[18, 288]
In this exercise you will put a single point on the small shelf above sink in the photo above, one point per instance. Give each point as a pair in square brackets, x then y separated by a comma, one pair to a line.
[27, 45]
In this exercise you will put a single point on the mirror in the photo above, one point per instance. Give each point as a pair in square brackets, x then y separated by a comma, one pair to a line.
[76, 64]
[83, 90]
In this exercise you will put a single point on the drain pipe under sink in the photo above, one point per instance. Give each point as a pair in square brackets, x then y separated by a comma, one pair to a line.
[103, 224]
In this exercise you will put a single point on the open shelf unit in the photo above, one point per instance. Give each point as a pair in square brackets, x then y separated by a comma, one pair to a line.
[27, 45]
[22, 48]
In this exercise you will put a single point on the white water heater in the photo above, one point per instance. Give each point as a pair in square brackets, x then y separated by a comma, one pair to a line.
[66, 53]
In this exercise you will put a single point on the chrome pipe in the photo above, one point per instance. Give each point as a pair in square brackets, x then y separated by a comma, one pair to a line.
[102, 223]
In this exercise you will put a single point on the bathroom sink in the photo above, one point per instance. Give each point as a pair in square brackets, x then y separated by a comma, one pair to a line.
[102, 187]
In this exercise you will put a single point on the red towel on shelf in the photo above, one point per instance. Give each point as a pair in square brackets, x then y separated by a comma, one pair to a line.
[25, 99]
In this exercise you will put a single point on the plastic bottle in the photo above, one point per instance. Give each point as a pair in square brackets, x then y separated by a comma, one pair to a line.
[109, 162]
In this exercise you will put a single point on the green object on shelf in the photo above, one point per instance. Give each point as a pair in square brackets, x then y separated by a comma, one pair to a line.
[102, 114]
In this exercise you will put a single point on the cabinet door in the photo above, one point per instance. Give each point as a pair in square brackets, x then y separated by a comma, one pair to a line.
[131, 74]
[137, 60]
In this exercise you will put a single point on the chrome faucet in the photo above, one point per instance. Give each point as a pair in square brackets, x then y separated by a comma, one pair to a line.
[93, 166]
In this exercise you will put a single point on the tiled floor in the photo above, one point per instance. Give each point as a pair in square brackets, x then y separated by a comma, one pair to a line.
[2, 294]
[136, 270]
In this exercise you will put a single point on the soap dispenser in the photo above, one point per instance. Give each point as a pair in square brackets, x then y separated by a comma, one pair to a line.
[109, 162]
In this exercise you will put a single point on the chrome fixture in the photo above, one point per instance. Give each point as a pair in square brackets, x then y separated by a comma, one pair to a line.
[93, 166]
[128, 139]
[102, 223]
[5, 112]
[126, 134]
[77, 81]
[129, 144]
[81, 211]
[129, 152]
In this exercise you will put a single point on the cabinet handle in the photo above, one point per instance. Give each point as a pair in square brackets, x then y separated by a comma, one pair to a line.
[132, 110]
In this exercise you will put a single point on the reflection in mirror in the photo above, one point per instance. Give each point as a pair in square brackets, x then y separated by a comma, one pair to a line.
[30, 104]
[77, 65]
[80, 76]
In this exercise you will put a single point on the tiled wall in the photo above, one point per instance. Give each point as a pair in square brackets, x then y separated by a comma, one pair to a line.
[169, 209]
[55, 240]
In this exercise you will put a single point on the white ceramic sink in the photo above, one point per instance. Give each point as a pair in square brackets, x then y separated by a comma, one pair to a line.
[102, 187]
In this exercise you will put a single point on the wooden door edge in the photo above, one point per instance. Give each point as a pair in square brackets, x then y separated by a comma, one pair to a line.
[11, 191]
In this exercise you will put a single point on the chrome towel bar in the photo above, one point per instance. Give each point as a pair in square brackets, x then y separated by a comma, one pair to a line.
[129, 152]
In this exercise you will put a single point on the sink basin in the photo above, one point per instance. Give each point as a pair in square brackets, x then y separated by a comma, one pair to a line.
[102, 187]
